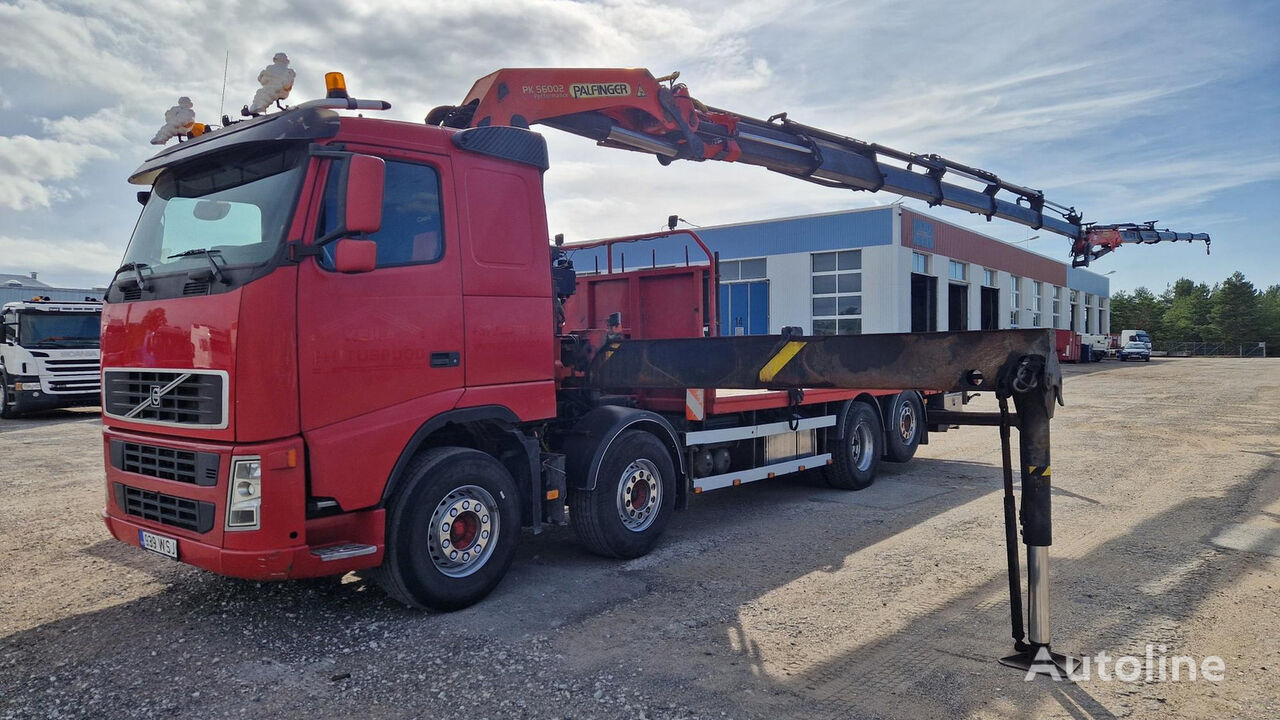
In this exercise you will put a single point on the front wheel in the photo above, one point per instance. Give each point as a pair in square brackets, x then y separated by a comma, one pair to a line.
[451, 530]
[635, 494]
[856, 455]
[8, 398]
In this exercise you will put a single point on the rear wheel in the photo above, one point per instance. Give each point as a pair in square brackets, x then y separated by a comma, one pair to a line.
[856, 456]
[906, 426]
[451, 530]
[635, 494]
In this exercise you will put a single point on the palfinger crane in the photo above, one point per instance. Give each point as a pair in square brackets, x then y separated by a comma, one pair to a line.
[631, 109]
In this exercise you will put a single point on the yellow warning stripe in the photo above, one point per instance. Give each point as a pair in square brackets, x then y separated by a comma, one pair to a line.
[780, 360]
[1032, 470]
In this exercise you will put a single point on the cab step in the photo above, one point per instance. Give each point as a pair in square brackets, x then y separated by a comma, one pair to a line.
[343, 551]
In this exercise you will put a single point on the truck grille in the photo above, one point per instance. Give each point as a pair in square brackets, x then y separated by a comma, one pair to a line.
[72, 367]
[165, 463]
[165, 509]
[74, 386]
[194, 397]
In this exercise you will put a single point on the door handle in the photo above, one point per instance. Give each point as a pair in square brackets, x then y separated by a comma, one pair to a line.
[444, 359]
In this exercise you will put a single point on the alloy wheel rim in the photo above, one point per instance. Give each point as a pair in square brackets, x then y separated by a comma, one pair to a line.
[639, 495]
[463, 531]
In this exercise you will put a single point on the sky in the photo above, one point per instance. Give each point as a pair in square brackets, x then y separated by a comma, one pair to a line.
[1128, 111]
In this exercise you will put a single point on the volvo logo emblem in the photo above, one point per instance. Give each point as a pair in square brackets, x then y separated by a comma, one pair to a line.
[155, 393]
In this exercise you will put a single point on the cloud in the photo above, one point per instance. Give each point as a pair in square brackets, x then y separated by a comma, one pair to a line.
[34, 171]
[1088, 100]
[59, 258]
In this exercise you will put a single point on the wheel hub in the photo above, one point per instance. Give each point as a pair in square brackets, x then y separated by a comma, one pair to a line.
[860, 444]
[907, 422]
[639, 495]
[463, 528]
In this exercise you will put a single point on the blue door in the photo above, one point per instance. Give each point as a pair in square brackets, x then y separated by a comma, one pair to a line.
[744, 308]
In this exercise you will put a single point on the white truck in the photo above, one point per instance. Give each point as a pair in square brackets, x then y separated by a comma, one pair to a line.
[49, 356]
[1128, 336]
[1098, 345]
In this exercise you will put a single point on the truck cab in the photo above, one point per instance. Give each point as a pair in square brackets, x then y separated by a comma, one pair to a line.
[1128, 336]
[302, 296]
[48, 355]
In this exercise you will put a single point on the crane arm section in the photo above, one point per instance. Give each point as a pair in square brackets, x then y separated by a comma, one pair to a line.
[628, 108]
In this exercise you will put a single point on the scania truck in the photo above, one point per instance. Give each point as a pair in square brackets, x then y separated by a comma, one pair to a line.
[48, 355]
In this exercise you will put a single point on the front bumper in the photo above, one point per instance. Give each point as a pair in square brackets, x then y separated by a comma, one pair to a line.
[33, 397]
[281, 548]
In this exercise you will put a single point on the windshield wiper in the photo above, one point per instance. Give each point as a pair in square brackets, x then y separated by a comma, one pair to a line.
[208, 254]
[137, 268]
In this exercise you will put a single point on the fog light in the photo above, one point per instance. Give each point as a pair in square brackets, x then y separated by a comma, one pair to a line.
[244, 494]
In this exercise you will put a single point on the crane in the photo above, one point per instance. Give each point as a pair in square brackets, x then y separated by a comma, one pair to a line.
[628, 108]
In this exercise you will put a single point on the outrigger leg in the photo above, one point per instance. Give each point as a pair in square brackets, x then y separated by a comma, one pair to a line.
[1034, 405]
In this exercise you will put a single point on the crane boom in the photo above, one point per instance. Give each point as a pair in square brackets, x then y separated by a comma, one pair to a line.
[630, 109]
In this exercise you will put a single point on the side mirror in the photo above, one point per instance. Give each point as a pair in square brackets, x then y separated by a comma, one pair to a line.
[362, 206]
[355, 256]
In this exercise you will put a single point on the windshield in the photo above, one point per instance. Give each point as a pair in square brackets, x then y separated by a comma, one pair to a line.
[58, 330]
[237, 204]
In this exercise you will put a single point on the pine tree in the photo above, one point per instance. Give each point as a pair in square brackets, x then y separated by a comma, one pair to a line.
[1236, 311]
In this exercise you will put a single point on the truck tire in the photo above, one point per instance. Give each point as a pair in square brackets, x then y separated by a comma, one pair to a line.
[856, 457]
[8, 406]
[451, 530]
[905, 427]
[634, 497]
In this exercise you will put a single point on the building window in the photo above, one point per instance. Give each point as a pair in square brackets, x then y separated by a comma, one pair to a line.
[754, 269]
[1037, 291]
[1057, 306]
[989, 277]
[837, 293]
[1015, 300]
[1088, 312]
[920, 263]
[958, 271]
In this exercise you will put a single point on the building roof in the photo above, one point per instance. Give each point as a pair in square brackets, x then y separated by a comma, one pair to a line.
[26, 280]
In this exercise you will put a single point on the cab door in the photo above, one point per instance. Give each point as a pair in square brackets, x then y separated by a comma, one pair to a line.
[383, 349]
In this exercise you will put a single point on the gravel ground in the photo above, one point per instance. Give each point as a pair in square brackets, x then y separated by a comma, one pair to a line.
[782, 599]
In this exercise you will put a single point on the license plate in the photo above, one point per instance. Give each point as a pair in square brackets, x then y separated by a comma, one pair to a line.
[166, 546]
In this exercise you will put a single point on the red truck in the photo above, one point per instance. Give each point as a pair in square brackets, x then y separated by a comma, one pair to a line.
[343, 343]
[409, 401]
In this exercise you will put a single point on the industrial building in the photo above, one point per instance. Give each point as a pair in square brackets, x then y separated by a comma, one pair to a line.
[878, 270]
[14, 288]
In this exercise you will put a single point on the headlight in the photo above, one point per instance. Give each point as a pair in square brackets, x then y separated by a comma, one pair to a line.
[244, 496]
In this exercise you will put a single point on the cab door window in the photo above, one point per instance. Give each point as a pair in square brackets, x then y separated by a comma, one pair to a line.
[412, 232]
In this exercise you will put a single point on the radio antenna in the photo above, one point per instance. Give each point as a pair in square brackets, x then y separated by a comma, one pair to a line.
[225, 62]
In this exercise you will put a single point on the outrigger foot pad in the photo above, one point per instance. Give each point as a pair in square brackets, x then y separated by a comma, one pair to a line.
[1041, 660]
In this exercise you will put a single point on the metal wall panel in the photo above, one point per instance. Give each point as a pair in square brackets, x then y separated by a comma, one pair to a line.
[833, 231]
[957, 243]
[813, 233]
[1089, 282]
